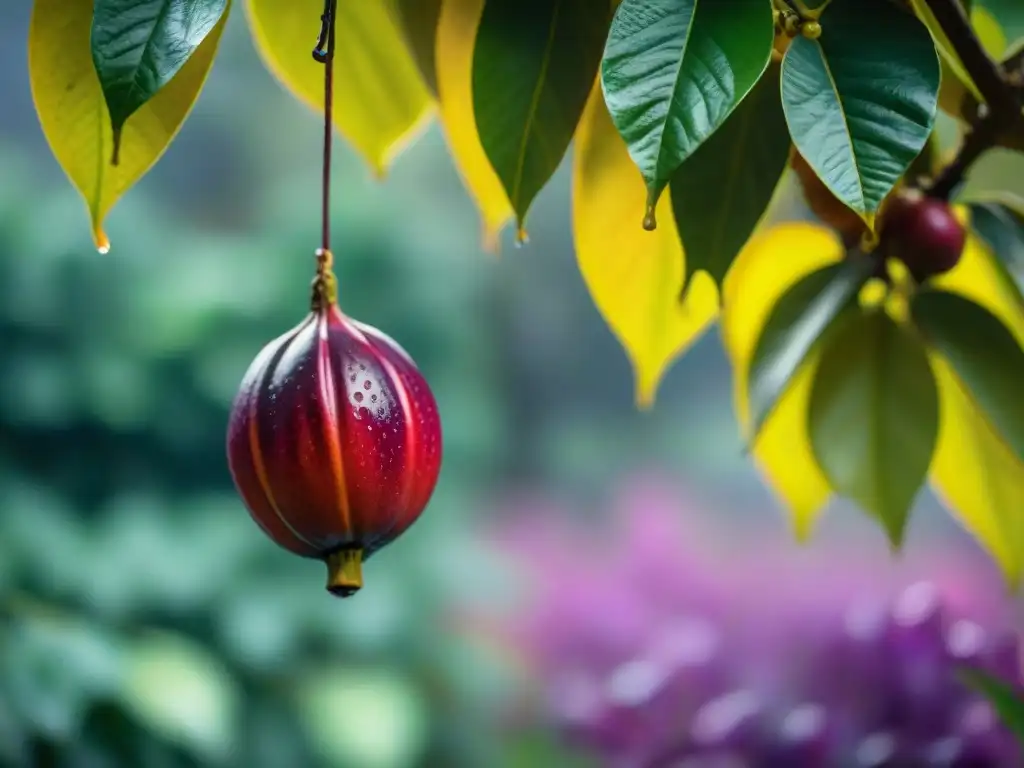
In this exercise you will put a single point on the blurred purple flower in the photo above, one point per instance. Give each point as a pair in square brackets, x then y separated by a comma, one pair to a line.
[658, 643]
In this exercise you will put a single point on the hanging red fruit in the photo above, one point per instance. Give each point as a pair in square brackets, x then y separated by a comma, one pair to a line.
[334, 441]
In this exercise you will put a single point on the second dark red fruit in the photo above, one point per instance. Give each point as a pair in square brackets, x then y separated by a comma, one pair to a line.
[923, 233]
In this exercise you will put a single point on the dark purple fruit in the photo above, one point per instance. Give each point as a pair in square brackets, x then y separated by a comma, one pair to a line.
[923, 233]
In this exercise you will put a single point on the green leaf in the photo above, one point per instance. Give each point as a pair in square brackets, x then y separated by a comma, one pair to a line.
[674, 70]
[861, 99]
[138, 46]
[874, 417]
[796, 326]
[741, 164]
[1002, 228]
[418, 20]
[984, 354]
[1005, 699]
[534, 66]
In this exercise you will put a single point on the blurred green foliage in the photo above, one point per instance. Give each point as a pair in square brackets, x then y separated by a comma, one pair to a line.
[146, 620]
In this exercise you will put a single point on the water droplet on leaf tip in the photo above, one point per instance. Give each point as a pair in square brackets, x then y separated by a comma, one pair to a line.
[522, 238]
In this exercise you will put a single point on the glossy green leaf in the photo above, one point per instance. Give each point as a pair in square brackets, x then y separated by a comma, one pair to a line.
[861, 99]
[674, 70]
[534, 65]
[984, 355]
[419, 20]
[138, 46]
[720, 193]
[796, 326]
[1002, 228]
[1006, 700]
[874, 417]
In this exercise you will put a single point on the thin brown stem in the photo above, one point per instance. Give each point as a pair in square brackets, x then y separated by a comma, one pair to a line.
[324, 53]
[980, 138]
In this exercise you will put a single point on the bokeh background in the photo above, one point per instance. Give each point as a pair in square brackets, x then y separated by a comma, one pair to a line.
[146, 621]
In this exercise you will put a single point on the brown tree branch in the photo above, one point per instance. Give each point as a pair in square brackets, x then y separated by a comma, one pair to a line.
[987, 74]
[1002, 108]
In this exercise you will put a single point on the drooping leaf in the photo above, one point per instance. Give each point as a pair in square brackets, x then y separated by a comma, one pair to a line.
[984, 355]
[796, 326]
[720, 193]
[456, 38]
[380, 99]
[874, 417]
[534, 65]
[770, 264]
[1005, 699]
[138, 46]
[672, 72]
[633, 276]
[974, 473]
[858, 113]
[976, 476]
[1001, 226]
[419, 21]
[72, 110]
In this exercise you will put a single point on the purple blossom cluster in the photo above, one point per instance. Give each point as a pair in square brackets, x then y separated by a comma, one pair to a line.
[651, 649]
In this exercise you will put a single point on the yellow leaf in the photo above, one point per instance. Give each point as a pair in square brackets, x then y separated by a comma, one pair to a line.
[634, 276]
[772, 262]
[73, 113]
[456, 36]
[380, 99]
[973, 471]
[977, 477]
[989, 32]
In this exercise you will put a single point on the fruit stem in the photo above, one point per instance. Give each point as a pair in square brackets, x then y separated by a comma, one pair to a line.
[345, 571]
[324, 53]
[325, 284]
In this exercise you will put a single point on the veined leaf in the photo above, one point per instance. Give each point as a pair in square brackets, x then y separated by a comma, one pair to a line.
[533, 67]
[73, 113]
[770, 264]
[1002, 228]
[633, 276]
[456, 39]
[672, 72]
[984, 355]
[138, 47]
[974, 472]
[874, 417]
[796, 326]
[859, 114]
[380, 99]
[720, 193]
[419, 20]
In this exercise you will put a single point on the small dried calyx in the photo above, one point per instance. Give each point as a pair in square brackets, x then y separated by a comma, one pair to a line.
[334, 441]
[922, 232]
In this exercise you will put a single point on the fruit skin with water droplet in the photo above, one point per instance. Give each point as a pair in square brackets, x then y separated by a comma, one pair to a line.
[923, 233]
[334, 441]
